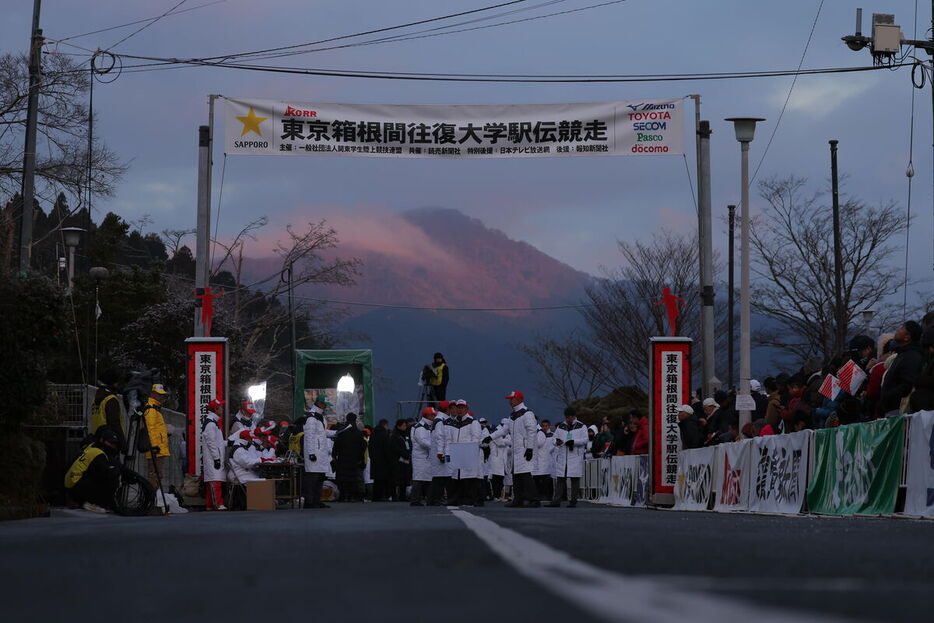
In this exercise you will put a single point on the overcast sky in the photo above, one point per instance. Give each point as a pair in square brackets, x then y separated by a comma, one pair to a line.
[573, 209]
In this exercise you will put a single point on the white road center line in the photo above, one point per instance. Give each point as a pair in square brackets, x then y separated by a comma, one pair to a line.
[615, 597]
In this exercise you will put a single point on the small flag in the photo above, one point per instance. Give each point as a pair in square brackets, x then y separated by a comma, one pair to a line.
[97, 310]
[851, 377]
[830, 388]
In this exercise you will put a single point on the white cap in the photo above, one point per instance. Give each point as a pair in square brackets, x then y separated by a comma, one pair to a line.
[460, 402]
[755, 385]
[687, 409]
[710, 402]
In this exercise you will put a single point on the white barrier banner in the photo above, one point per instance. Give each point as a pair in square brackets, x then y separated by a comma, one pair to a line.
[603, 479]
[291, 128]
[695, 478]
[919, 499]
[778, 474]
[629, 480]
[733, 479]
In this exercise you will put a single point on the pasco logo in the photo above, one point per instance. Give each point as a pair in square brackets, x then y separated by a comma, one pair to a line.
[297, 112]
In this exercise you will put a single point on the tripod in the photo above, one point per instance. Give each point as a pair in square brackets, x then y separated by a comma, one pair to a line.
[424, 399]
[133, 494]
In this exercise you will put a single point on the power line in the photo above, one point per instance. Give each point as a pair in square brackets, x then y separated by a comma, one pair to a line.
[517, 78]
[139, 21]
[368, 32]
[456, 309]
[788, 97]
[431, 31]
[147, 25]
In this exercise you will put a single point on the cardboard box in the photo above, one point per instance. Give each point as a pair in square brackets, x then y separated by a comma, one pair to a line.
[261, 495]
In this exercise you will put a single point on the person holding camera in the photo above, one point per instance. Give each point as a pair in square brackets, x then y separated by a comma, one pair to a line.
[437, 376]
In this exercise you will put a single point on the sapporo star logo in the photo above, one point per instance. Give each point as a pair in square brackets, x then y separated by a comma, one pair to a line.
[251, 122]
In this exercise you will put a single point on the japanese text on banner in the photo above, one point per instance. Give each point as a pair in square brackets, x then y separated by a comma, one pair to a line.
[647, 127]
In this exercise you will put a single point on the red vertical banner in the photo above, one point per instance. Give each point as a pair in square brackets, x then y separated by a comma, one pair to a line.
[207, 380]
[669, 388]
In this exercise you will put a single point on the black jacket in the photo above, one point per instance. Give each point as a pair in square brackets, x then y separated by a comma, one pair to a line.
[690, 433]
[349, 448]
[400, 456]
[379, 455]
[922, 398]
[901, 376]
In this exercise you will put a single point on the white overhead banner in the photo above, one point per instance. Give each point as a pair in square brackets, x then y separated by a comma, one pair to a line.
[290, 128]
[919, 499]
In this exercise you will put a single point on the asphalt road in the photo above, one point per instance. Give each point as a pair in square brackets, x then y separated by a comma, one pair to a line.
[391, 562]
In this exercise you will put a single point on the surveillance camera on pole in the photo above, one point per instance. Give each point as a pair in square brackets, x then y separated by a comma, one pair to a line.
[886, 41]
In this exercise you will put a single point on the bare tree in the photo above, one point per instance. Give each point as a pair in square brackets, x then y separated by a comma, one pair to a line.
[567, 370]
[62, 150]
[792, 242]
[624, 307]
[258, 313]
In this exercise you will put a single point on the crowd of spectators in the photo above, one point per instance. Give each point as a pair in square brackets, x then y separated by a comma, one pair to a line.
[899, 378]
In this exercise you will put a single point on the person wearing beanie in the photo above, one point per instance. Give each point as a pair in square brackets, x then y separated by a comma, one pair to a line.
[900, 378]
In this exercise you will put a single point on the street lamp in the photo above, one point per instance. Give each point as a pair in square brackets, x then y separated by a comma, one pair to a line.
[72, 236]
[745, 128]
[868, 315]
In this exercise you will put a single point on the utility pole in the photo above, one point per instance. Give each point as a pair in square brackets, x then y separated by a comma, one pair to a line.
[29, 151]
[732, 331]
[705, 229]
[839, 312]
[203, 234]
[709, 381]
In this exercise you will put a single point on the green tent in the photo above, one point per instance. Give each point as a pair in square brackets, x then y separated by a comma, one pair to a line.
[321, 369]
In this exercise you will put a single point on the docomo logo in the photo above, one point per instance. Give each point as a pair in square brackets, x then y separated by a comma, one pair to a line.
[296, 112]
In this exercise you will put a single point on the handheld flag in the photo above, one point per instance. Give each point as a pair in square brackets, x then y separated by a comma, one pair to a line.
[830, 388]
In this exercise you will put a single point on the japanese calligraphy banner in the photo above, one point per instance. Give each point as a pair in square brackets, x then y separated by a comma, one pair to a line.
[207, 378]
[857, 468]
[919, 499]
[669, 388]
[732, 485]
[695, 478]
[290, 128]
[629, 480]
[778, 473]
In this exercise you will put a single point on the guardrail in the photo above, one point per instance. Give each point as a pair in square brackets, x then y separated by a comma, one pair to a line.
[857, 469]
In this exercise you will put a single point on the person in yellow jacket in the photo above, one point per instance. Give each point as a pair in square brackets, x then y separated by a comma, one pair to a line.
[158, 434]
[93, 478]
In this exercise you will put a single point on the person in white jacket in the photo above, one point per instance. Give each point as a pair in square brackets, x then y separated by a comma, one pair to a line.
[422, 465]
[544, 461]
[440, 458]
[523, 427]
[464, 429]
[499, 453]
[570, 445]
[245, 459]
[486, 467]
[315, 453]
[213, 449]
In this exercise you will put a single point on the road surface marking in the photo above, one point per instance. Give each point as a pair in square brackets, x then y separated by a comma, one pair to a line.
[615, 597]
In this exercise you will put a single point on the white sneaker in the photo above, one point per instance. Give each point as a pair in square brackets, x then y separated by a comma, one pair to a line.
[94, 508]
[221, 508]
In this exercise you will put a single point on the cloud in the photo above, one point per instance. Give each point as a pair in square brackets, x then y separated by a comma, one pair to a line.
[818, 98]
[373, 228]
